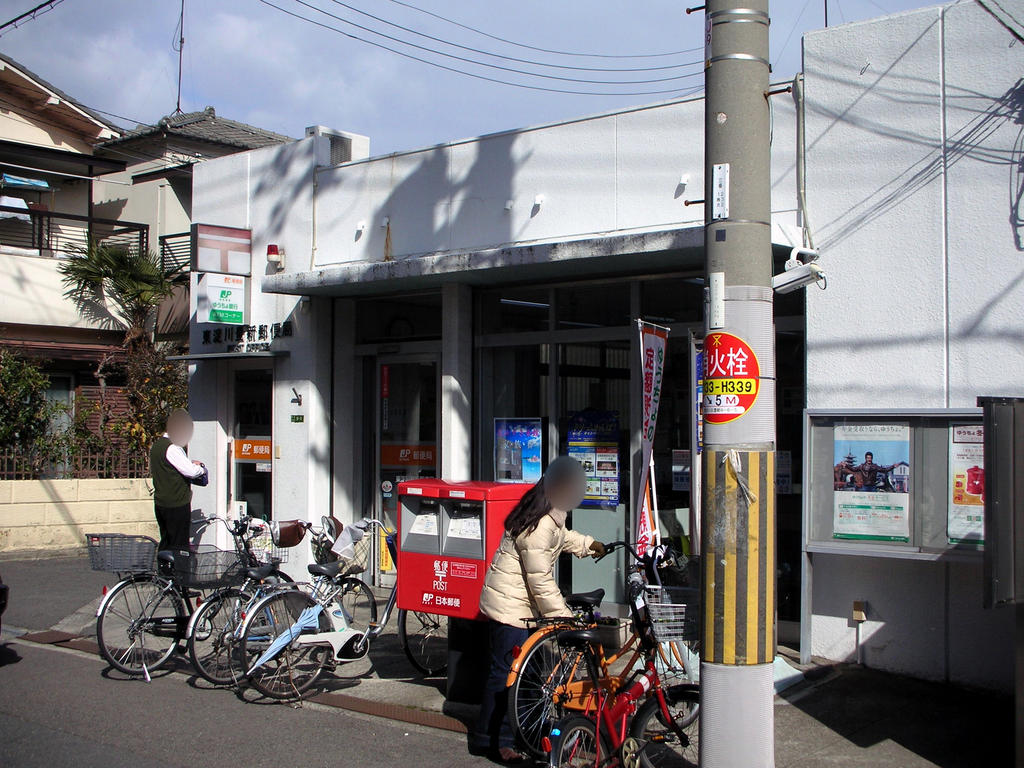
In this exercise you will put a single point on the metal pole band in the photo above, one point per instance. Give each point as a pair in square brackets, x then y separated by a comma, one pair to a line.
[740, 57]
[738, 12]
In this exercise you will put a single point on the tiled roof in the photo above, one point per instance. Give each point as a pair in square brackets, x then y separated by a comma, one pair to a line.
[206, 126]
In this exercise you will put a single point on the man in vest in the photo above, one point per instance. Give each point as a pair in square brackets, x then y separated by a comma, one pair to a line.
[173, 475]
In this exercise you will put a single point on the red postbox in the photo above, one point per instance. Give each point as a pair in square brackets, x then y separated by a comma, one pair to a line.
[447, 534]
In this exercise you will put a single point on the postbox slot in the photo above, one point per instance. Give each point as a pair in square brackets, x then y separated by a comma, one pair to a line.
[420, 525]
[463, 528]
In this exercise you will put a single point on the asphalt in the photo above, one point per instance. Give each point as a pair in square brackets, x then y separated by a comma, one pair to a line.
[838, 715]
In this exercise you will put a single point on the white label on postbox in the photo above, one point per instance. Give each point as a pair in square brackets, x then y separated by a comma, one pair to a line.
[457, 494]
[414, 491]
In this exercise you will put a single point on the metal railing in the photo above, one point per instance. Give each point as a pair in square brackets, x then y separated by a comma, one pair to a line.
[53, 234]
[111, 464]
[176, 252]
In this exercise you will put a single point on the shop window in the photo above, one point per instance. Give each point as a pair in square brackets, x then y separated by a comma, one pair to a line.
[673, 300]
[593, 306]
[398, 318]
[514, 310]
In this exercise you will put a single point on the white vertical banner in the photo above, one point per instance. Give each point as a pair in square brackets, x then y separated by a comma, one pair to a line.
[653, 339]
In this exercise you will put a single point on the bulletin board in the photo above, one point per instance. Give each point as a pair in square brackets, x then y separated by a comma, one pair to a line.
[896, 483]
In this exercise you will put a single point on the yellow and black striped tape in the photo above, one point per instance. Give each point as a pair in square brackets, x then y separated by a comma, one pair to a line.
[738, 552]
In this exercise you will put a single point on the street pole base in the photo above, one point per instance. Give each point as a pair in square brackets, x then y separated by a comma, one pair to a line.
[737, 716]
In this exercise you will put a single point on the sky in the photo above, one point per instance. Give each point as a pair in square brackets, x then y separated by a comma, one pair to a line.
[256, 63]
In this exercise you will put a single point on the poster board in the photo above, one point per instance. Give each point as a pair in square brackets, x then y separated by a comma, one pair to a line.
[593, 440]
[886, 482]
[518, 450]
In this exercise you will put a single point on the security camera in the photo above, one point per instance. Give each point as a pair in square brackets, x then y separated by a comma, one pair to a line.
[800, 271]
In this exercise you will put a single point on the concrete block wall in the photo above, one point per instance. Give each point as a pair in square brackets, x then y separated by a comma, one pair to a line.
[56, 514]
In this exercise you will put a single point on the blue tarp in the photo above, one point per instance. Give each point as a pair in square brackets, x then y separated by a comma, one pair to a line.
[9, 180]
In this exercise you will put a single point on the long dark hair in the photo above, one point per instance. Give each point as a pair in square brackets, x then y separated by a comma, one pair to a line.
[527, 514]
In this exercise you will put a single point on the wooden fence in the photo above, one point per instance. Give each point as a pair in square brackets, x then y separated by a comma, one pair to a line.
[111, 464]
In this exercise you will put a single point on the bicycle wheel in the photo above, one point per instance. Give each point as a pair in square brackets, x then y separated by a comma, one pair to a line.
[663, 744]
[577, 746]
[139, 624]
[357, 604]
[212, 636]
[295, 668]
[424, 638]
[534, 702]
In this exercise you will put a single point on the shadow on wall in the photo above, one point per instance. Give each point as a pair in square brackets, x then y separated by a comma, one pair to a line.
[971, 141]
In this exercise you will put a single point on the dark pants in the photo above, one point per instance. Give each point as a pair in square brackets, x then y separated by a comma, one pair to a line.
[493, 729]
[175, 526]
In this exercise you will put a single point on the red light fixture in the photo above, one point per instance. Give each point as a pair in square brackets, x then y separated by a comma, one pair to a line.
[273, 250]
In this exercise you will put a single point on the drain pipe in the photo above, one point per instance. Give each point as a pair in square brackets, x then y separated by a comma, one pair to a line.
[801, 161]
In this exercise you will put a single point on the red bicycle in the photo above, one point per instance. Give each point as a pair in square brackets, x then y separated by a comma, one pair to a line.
[643, 722]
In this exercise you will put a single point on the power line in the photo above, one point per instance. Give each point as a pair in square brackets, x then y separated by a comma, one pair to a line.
[32, 13]
[510, 58]
[463, 72]
[500, 67]
[543, 50]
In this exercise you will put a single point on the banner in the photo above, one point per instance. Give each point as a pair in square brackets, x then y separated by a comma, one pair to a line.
[653, 339]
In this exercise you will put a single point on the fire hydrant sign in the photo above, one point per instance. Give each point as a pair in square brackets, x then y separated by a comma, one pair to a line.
[731, 378]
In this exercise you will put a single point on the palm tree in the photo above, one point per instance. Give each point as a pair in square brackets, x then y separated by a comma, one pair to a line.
[118, 287]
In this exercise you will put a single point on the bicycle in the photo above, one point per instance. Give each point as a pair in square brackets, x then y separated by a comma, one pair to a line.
[615, 728]
[543, 686]
[142, 620]
[290, 637]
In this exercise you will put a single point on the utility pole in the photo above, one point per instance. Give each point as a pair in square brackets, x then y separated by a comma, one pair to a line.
[738, 496]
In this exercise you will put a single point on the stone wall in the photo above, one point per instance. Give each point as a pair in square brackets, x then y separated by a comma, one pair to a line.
[56, 514]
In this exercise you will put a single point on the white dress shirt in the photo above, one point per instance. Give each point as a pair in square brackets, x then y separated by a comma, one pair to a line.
[177, 458]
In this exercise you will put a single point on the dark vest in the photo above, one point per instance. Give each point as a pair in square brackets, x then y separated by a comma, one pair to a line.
[170, 487]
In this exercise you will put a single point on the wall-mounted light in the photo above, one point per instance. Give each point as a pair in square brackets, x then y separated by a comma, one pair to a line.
[508, 204]
[538, 201]
[385, 222]
[275, 255]
[361, 226]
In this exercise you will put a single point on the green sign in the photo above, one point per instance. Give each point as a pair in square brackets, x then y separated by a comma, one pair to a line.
[298, 418]
[226, 297]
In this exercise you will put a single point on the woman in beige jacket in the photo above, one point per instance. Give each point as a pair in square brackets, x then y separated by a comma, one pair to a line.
[520, 585]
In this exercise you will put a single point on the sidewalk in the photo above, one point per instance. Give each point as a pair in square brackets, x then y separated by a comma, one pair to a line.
[839, 715]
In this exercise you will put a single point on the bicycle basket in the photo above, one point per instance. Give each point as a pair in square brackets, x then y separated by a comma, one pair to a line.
[265, 551]
[121, 553]
[674, 612]
[360, 559]
[206, 567]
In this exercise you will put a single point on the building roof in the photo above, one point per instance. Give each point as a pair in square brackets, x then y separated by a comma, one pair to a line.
[28, 85]
[205, 126]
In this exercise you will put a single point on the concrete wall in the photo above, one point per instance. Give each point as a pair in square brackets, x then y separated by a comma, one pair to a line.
[33, 294]
[56, 514]
[914, 150]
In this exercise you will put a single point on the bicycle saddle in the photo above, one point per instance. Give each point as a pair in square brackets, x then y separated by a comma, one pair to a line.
[259, 574]
[330, 569]
[165, 556]
[585, 599]
[579, 638]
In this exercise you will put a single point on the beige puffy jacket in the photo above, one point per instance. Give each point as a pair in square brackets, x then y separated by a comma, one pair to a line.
[520, 582]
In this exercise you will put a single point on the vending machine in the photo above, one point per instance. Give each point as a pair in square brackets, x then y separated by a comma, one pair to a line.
[447, 534]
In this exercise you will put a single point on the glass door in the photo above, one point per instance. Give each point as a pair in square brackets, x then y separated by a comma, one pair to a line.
[252, 460]
[407, 429]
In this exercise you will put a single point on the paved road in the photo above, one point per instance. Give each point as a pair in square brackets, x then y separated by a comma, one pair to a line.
[57, 708]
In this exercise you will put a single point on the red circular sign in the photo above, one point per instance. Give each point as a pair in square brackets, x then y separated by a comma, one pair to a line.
[731, 378]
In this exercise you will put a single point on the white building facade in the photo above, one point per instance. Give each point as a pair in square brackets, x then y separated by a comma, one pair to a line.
[419, 297]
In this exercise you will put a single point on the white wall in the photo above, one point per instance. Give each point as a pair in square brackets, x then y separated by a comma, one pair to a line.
[608, 173]
[913, 169]
[269, 190]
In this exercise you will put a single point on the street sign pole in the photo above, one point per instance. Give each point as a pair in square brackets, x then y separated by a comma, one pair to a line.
[738, 493]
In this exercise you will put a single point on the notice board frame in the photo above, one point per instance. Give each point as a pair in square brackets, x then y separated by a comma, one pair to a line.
[928, 493]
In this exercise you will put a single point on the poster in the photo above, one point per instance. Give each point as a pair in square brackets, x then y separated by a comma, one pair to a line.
[681, 470]
[783, 472]
[871, 479]
[518, 450]
[653, 339]
[966, 514]
[593, 440]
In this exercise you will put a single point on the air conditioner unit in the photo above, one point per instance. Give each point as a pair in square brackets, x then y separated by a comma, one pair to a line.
[345, 146]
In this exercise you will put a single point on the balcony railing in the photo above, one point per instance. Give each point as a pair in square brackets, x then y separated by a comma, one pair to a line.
[176, 252]
[47, 233]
